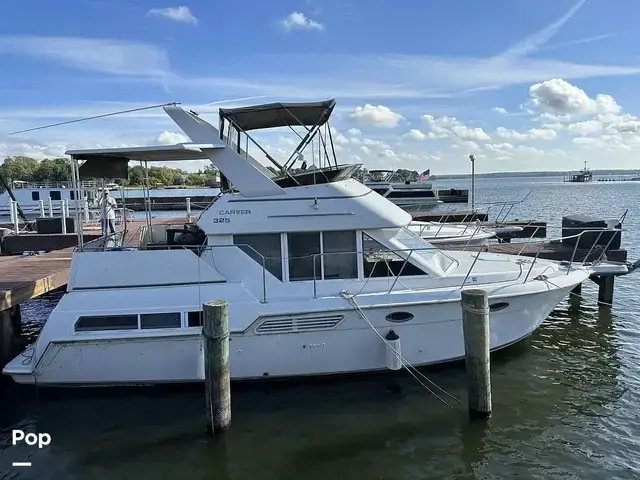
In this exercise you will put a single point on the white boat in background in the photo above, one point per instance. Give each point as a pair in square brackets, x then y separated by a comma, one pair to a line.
[408, 195]
[449, 233]
[33, 197]
[316, 268]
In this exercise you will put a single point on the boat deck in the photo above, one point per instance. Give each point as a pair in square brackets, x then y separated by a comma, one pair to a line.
[25, 277]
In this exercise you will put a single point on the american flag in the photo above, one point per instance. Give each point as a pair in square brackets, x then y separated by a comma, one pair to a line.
[425, 175]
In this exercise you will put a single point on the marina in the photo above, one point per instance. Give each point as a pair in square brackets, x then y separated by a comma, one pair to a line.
[290, 247]
[514, 376]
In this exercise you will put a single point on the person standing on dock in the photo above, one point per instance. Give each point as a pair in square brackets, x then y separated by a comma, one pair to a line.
[107, 212]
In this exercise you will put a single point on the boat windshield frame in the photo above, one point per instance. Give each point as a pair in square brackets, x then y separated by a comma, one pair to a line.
[429, 256]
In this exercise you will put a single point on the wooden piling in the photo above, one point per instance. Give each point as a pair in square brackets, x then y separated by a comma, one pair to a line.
[475, 326]
[10, 328]
[215, 331]
[605, 289]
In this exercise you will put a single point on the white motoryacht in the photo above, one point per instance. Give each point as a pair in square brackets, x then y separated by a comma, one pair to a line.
[315, 267]
[37, 198]
[408, 195]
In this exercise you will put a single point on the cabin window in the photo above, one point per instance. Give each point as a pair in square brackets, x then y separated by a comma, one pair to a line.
[107, 322]
[304, 255]
[72, 195]
[160, 320]
[35, 196]
[379, 261]
[194, 319]
[339, 254]
[261, 245]
[55, 195]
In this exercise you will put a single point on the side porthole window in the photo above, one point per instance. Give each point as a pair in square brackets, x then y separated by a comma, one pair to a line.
[496, 307]
[399, 317]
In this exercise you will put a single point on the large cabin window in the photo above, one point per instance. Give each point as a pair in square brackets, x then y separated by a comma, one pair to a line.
[55, 195]
[35, 196]
[304, 250]
[339, 254]
[261, 245]
[334, 254]
[107, 322]
[160, 320]
[379, 261]
[195, 319]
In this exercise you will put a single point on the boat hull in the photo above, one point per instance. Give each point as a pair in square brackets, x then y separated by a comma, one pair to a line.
[433, 336]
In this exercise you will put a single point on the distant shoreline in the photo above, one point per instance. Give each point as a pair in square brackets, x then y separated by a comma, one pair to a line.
[559, 173]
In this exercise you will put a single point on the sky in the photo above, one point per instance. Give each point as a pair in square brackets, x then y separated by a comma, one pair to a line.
[523, 85]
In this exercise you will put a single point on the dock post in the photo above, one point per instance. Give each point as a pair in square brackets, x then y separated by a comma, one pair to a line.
[475, 327]
[66, 207]
[50, 207]
[85, 206]
[10, 327]
[63, 217]
[188, 208]
[605, 289]
[13, 213]
[16, 218]
[215, 331]
[41, 203]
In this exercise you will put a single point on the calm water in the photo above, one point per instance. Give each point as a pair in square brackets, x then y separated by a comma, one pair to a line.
[566, 401]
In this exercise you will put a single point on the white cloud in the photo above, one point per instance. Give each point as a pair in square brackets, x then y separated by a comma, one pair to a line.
[500, 110]
[378, 116]
[354, 132]
[297, 20]
[469, 133]
[559, 97]
[414, 134]
[445, 127]
[117, 57]
[535, 42]
[171, 138]
[585, 128]
[531, 134]
[177, 14]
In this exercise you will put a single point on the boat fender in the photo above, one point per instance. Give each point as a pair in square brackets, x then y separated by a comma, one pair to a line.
[394, 359]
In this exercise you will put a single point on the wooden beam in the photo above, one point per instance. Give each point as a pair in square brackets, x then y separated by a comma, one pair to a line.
[33, 289]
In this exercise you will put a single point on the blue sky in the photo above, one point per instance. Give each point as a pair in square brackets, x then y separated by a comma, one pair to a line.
[523, 85]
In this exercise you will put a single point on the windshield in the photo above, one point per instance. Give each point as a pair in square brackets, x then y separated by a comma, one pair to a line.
[406, 239]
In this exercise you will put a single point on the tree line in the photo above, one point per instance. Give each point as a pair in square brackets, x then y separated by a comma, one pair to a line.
[28, 169]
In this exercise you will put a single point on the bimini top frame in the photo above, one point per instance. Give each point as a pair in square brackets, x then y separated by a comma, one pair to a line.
[114, 162]
[310, 115]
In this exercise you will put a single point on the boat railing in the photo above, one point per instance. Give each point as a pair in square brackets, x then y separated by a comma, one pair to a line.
[594, 247]
[114, 241]
[18, 184]
[503, 208]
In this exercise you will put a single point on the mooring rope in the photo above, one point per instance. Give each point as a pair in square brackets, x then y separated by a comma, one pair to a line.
[570, 292]
[479, 311]
[413, 371]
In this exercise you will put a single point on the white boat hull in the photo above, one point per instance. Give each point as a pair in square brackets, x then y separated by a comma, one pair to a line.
[433, 336]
